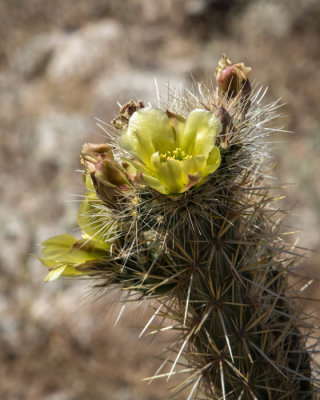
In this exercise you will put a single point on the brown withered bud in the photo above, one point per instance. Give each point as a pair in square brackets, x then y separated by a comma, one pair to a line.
[232, 78]
[98, 160]
[108, 177]
[126, 111]
[227, 125]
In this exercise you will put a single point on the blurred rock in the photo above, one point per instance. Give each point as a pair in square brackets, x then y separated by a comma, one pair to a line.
[127, 394]
[271, 19]
[57, 396]
[85, 52]
[196, 7]
[131, 84]
[199, 8]
[31, 60]
[15, 240]
[57, 135]
[9, 98]
[155, 10]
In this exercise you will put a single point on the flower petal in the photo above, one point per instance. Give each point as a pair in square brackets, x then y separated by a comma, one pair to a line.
[56, 250]
[135, 166]
[205, 139]
[93, 222]
[66, 255]
[136, 141]
[54, 273]
[66, 249]
[154, 183]
[170, 175]
[213, 161]
[196, 121]
[200, 132]
[193, 180]
[65, 270]
[192, 166]
[155, 161]
[160, 129]
[177, 124]
[149, 130]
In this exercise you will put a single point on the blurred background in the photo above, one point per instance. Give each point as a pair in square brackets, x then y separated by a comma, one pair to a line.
[64, 63]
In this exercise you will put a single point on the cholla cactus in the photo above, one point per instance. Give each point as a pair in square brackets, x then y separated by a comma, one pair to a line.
[178, 209]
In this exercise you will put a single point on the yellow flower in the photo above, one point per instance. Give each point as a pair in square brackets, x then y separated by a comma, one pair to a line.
[172, 153]
[93, 218]
[66, 255]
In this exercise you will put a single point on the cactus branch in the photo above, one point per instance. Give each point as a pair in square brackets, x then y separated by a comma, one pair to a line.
[180, 208]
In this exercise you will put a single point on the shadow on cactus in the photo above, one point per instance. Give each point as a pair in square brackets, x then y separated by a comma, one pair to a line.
[179, 209]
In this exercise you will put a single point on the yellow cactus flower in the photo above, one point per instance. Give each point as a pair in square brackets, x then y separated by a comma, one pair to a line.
[172, 153]
[65, 255]
[93, 219]
[68, 256]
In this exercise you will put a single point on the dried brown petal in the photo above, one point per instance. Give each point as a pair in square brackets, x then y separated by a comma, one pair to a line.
[99, 162]
[126, 111]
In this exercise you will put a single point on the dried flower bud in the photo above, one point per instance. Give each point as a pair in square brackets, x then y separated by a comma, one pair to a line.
[232, 78]
[108, 177]
[227, 125]
[126, 111]
[99, 161]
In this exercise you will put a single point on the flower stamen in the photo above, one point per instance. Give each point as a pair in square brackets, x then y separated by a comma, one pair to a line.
[176, 154]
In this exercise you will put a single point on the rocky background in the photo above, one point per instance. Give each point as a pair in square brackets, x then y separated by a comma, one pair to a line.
[64, 63]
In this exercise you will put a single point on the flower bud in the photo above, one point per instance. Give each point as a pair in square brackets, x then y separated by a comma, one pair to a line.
[99, 162]
[108, 177]
[122, 120]
[232, 78]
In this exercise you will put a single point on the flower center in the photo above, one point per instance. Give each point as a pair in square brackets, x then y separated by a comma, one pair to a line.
[176, 154]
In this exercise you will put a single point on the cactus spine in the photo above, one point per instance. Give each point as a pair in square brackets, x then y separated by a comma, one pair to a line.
[212, 251]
